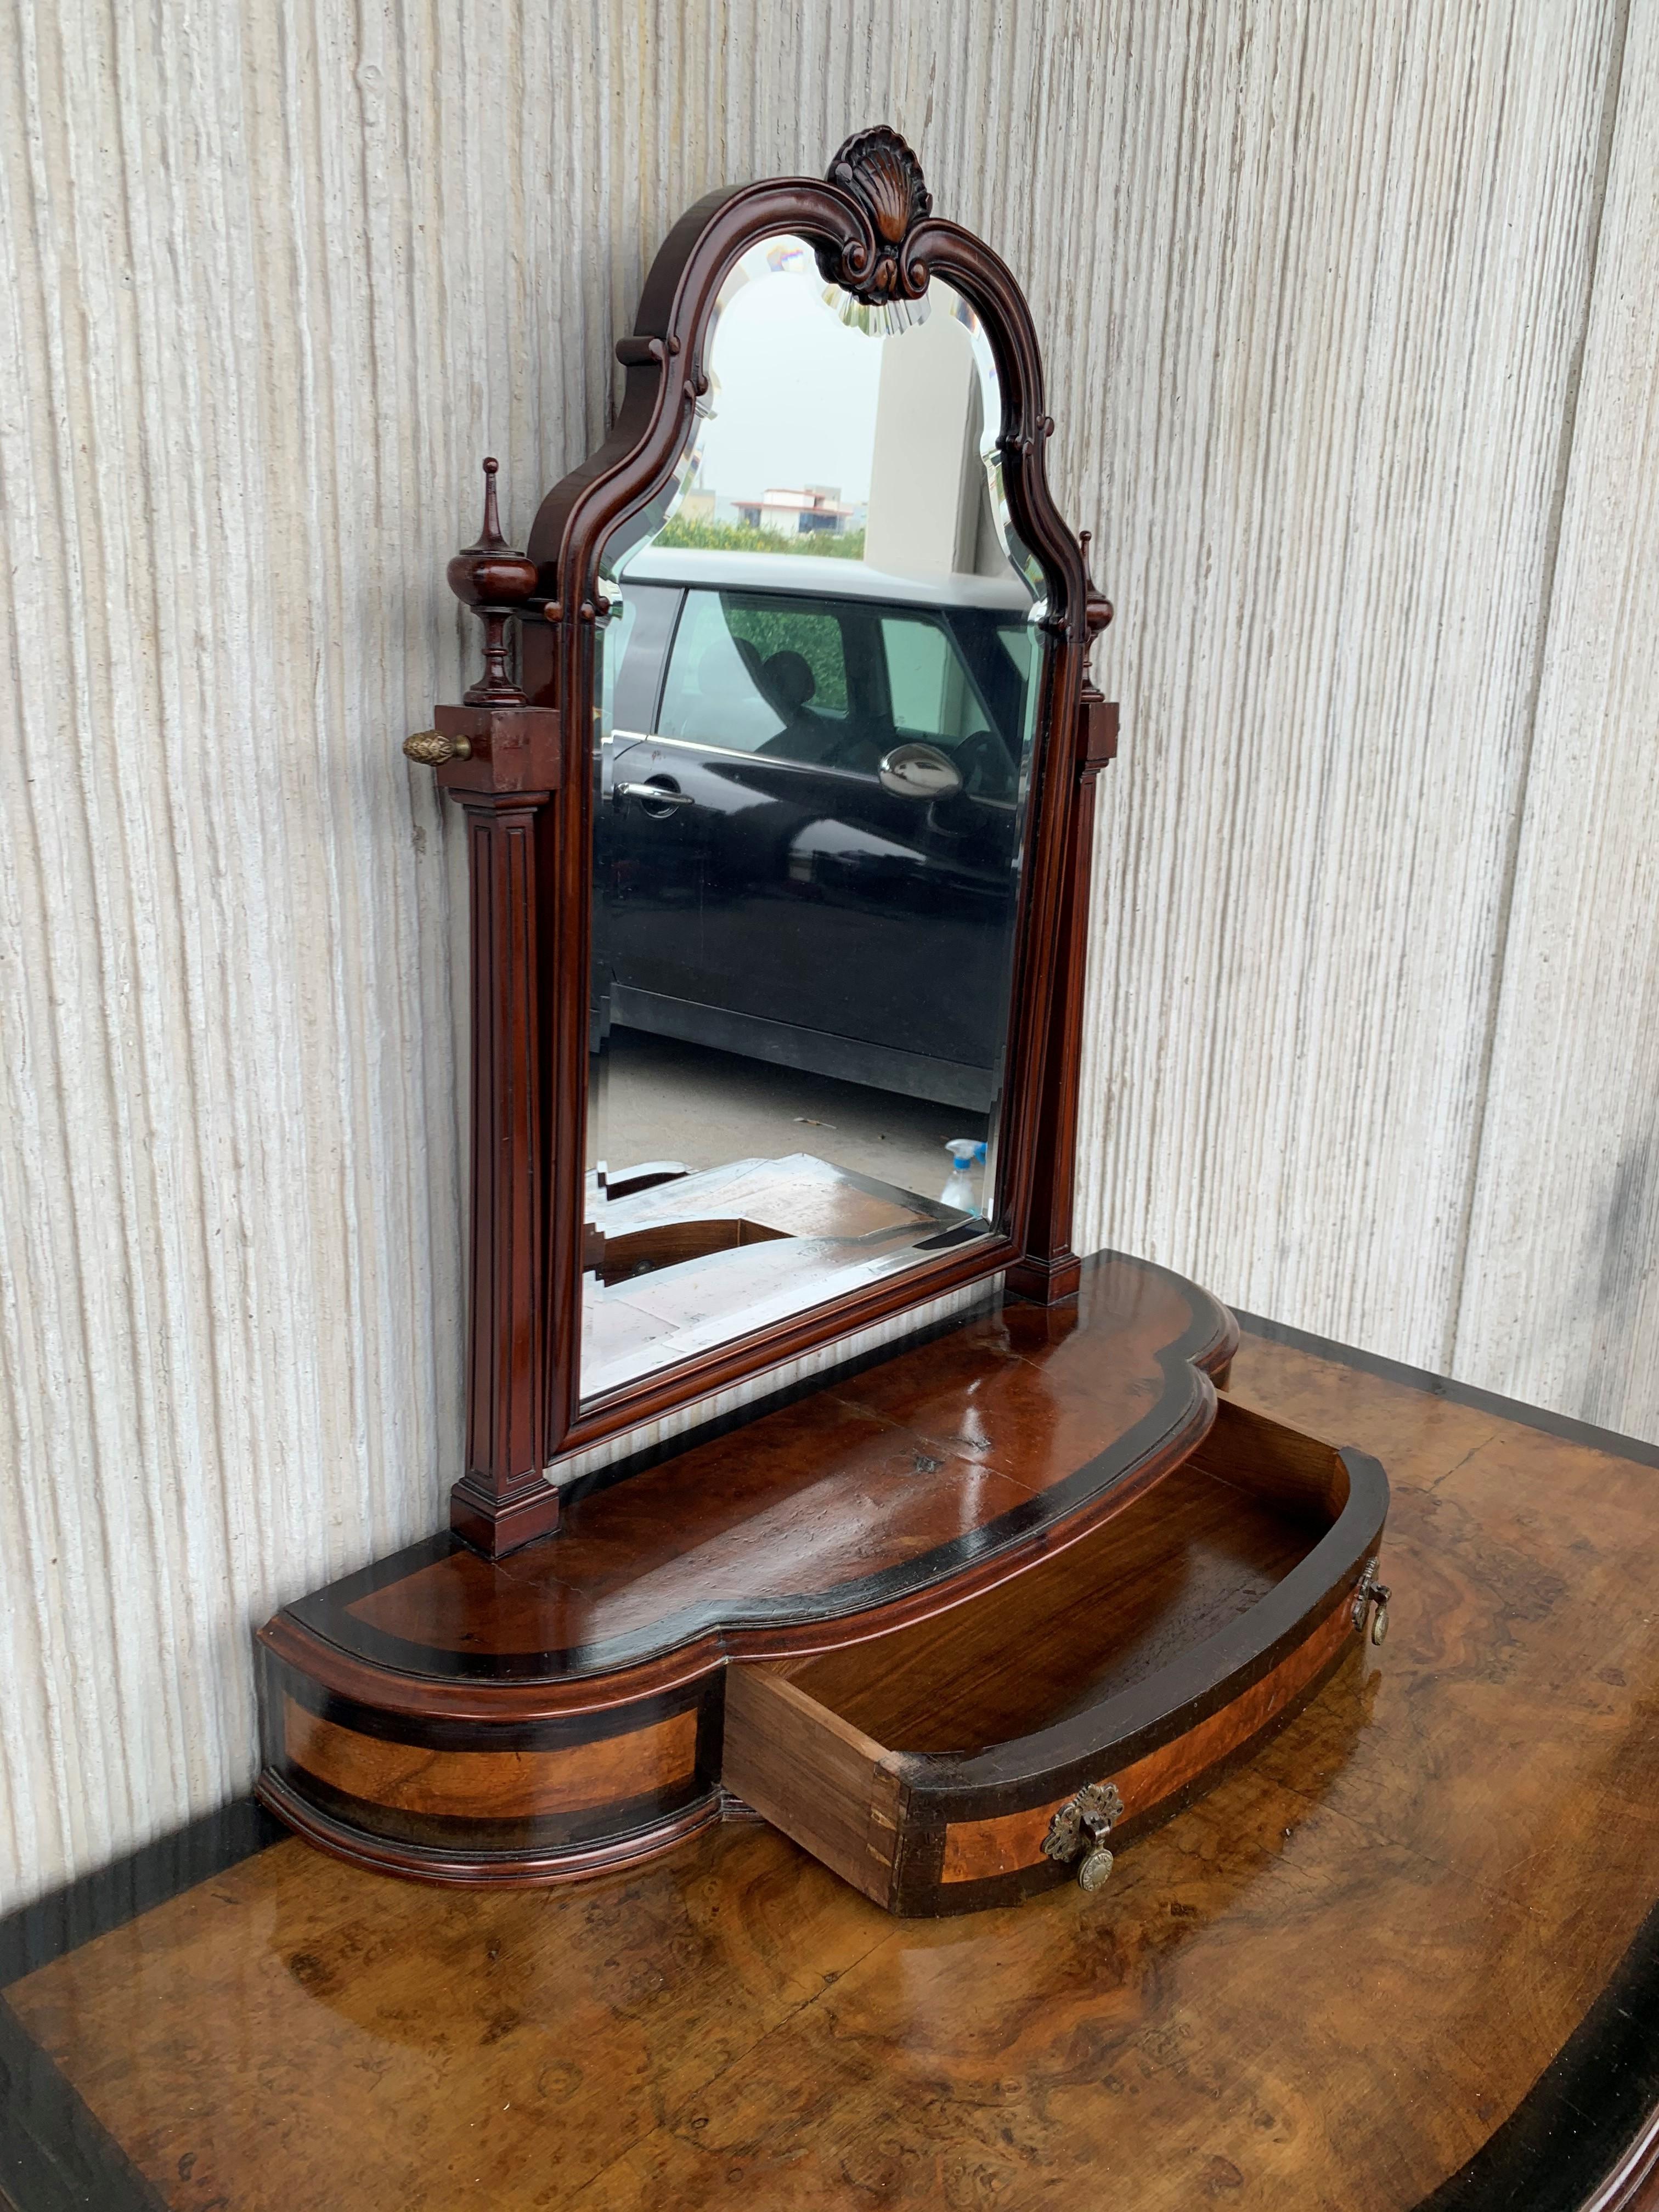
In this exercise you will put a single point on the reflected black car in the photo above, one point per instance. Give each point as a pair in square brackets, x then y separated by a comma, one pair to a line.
[810, 814]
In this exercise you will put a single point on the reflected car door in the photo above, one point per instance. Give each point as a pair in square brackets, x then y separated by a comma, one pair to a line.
[777, 877]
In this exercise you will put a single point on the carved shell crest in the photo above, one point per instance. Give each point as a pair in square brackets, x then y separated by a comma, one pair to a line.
[878, 169]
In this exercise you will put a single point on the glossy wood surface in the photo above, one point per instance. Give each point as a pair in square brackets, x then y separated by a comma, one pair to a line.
[985, 1443]
[1328, 1983]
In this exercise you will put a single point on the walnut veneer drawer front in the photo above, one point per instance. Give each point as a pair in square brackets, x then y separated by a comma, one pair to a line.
[1017, 1740]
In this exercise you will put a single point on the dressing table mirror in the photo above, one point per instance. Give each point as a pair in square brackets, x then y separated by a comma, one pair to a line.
[779, 781]
[814, 761]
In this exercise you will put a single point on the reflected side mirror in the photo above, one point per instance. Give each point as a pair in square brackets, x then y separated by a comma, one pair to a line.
[919, 772]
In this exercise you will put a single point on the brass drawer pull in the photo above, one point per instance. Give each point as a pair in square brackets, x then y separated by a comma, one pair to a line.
[1082, 1824]
[1368, 1592]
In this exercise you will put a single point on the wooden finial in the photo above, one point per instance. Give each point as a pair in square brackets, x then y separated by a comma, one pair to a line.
[1096, 607]
[491, 539]
[494, 581]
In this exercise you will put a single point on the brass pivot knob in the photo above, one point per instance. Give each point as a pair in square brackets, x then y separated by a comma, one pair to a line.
[432, 748]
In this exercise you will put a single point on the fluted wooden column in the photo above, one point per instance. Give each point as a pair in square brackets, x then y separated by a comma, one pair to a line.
[503, 1500]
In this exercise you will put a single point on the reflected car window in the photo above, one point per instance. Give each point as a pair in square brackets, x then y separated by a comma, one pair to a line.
[711, 697]
[812, 635]
[962, 688]
[836, 683]
[933, 695]
[757, 675]
[614, 640]
[1004, 657]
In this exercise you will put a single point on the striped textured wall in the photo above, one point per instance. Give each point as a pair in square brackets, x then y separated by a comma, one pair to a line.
[1560, 1292]
[1345, 312]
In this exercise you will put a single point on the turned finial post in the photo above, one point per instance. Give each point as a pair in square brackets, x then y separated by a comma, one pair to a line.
[494, 581]
[1096, 607]
[491, 539]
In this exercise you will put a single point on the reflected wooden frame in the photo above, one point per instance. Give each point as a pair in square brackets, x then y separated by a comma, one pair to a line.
[871, 226]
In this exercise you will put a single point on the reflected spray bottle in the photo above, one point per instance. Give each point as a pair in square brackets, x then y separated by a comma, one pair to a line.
[967, 1153]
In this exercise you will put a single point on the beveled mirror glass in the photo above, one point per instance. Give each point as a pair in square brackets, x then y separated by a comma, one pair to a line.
[817, 694]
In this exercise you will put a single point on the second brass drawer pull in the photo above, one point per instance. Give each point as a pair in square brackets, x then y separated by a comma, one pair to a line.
[1370, 1592]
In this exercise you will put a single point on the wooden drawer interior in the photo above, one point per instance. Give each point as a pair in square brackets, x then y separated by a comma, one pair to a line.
[855, 1752]
[1191, 1555]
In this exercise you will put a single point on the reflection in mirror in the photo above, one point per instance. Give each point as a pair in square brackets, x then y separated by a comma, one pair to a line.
[812, 747]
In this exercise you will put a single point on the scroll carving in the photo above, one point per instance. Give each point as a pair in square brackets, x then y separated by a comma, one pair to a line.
[879, 171]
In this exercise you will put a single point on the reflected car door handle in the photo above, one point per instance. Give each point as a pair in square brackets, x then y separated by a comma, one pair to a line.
[916, 771]
[654, 795]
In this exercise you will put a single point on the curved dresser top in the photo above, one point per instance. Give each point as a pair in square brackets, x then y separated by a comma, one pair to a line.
[873, 1495]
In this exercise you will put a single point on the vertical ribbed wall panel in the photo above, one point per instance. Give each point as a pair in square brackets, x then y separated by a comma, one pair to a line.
[1342, 267]
[1561, 1300]
[1312, 284]
[279, 278]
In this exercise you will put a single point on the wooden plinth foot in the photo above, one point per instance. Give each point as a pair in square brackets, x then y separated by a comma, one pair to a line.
[496, 1526]
[1046, 1282]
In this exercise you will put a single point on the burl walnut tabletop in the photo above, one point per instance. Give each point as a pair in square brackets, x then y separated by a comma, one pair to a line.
[1402, 1958]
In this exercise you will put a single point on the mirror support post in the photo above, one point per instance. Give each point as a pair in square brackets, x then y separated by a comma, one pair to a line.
[504, 781]
[1048, 1271]
[501, 758]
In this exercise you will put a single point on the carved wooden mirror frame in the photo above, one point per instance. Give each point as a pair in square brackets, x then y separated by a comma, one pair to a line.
[516, 758]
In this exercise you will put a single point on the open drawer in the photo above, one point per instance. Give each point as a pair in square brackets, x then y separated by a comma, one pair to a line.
[989, 1751]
